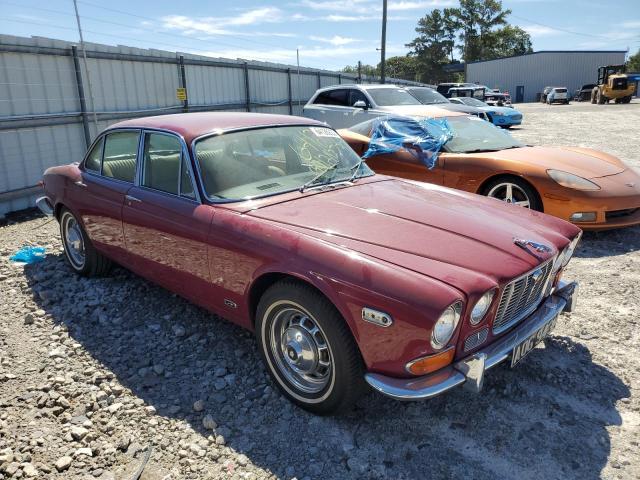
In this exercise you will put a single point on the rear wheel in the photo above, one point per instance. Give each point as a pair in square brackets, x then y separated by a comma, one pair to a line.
[308, 349]
[80, 253]
[515, 191]
[626, 99]
[600, 98]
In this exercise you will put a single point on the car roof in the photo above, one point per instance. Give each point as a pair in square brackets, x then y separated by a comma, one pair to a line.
[193, 125]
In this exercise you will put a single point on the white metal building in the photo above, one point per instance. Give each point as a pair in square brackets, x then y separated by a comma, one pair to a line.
[524, 76]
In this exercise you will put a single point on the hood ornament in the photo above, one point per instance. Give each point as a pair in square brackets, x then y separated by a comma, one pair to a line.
[532, 247]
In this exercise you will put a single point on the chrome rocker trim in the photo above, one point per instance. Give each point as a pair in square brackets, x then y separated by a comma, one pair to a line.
[470, 371]
[44, 205]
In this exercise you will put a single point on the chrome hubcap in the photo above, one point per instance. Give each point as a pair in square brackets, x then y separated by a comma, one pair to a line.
[73, 241]
[510, 193]
[300, 350]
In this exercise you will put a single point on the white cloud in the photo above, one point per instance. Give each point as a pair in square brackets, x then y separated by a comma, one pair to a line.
[538, 30]
[400, 6]
[335, 40]
[352, 6]
[218, 25]
[631, 24]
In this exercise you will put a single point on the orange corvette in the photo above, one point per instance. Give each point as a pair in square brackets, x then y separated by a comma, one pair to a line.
[592, 189]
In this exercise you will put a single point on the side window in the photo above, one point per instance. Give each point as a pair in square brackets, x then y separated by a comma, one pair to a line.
[186, 183]
[357, 95]
[94, 159]
[339, 97]
[120, 153]
[333, 97]
[162, 156]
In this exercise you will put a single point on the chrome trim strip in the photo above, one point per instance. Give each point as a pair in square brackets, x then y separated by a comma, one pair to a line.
[44, 205]
[436, 383]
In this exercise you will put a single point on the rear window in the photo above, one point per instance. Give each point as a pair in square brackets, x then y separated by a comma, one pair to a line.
[389, 97]
[561, 90]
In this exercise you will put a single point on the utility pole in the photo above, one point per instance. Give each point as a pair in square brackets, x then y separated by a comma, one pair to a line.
[384, 40]
[359, 71]
[86, 66]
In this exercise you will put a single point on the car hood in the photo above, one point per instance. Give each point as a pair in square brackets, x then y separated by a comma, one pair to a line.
[452, 107]
[462, 239]
[583, 162]
[433, 111]
[502, 110]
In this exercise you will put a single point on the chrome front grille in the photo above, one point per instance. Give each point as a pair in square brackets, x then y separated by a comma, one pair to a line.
[521, 296]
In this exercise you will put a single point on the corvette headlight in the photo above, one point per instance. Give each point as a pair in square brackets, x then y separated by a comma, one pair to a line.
[446, 325]
[480, 308]
[570, 180]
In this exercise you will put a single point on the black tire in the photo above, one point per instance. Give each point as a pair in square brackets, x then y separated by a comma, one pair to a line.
[600, 98]
[626, 99]
[593, 97]
[344, 378]
[93, 264]
[532, 195]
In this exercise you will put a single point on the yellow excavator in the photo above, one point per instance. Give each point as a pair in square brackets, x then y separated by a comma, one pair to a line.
[613, 84]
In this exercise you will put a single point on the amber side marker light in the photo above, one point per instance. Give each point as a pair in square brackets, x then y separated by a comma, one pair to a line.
[431, 363]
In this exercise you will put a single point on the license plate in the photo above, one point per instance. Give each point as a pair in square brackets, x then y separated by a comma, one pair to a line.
[523, 348]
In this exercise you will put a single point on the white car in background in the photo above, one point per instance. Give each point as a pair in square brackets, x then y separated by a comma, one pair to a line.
[342, 106]
[558, 94]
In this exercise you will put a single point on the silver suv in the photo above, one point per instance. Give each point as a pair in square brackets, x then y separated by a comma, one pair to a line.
[343, 106]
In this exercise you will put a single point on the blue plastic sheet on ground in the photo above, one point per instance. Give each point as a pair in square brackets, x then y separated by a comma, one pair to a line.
[28, 255]
[422, 137]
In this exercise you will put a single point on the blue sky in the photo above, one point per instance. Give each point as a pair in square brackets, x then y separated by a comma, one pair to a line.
[329, 33]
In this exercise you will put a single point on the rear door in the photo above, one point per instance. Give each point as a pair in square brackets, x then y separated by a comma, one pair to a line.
[331, 107]
[108, 172]
[165, 224]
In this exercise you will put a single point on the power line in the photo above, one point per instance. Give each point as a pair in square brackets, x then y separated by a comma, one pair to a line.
[594, 35]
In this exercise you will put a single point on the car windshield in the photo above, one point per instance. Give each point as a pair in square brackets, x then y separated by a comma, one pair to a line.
[267, 161]
[472, 102]
[472, 134]
[388, 97]
[427, 96]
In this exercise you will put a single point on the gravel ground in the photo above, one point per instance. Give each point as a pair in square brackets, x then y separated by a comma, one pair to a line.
[96, 374]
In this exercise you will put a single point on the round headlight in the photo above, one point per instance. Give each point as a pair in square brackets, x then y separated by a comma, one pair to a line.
[445, 326]
[571, 248]
[480, 308]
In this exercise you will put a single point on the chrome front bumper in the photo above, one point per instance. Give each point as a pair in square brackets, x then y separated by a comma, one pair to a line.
[44, 205]
[470, 371]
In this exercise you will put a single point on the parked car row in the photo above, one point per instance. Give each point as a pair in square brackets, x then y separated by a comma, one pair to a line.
[346, 252]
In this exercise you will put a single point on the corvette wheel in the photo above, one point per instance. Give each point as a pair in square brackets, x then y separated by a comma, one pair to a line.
[308, 348]
[80, 253]
[514, 191]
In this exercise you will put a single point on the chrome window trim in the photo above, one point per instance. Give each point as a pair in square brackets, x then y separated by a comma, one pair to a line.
[184, 154]
[89, 150]
[104, 134]
[242, 129]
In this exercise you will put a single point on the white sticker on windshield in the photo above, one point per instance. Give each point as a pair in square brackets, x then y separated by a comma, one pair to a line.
[323, 132]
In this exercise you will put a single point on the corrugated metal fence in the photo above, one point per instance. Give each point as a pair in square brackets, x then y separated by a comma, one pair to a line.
[51, 106]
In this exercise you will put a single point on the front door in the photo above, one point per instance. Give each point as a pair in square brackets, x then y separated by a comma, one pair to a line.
[165, 224]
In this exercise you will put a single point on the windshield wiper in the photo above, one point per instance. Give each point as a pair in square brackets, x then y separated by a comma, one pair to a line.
[356, 169]
[481, 150]
[319, 176]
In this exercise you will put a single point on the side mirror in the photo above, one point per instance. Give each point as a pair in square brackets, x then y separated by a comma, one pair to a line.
[361, 104]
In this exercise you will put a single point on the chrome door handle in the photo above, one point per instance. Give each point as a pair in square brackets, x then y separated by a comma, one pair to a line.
[80, 183]
[131, 198]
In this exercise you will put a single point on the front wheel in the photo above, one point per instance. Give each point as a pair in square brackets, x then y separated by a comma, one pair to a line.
[514, 191]
[80, 253]
[308, 348]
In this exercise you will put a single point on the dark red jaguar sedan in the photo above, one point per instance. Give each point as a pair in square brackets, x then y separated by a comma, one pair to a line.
[346, 277]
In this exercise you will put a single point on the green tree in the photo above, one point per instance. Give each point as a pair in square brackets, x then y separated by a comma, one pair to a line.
[401, 67]
[432, 47]
[633, 64]
[506, 42]
[477, 20]
[369, 70]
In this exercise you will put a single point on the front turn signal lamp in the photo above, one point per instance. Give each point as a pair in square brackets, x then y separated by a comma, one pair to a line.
[431, 363]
